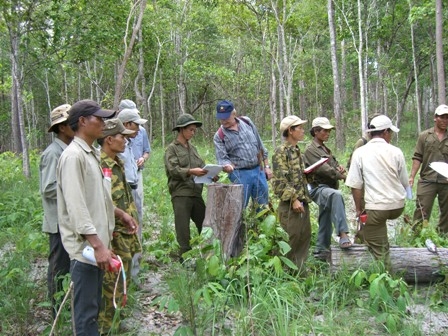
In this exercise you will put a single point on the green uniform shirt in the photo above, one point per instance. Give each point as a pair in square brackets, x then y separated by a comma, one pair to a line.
[178, 160]
[289, 181]
[429, 149]
[121, 191]
[327, 173]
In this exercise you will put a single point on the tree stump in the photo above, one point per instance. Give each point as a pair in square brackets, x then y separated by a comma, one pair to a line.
[224, 214]
[415, 265]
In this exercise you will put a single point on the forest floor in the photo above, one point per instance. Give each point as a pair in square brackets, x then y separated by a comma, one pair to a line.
[147, 319]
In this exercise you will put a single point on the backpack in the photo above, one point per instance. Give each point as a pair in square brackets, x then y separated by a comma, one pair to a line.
[260, 146]
[221, 133]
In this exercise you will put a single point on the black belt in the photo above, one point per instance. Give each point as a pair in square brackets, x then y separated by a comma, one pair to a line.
[248, 168]
[133, 185]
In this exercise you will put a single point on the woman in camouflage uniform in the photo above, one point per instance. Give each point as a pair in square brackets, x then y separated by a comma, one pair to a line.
[182, 164]
[290, 186]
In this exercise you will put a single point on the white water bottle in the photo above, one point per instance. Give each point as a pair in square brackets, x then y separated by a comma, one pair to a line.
[431, 246]
[89, 254]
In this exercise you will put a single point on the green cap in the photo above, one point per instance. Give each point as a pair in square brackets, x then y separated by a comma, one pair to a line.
[185, 120]
[114, 127]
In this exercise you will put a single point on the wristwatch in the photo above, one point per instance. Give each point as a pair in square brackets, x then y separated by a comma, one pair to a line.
[267, 166]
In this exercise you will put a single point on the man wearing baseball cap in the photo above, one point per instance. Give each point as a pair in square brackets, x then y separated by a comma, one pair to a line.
[290, 186]
[240, 150]
[58, 259]
[432, 146]
[324, 182]
[380, 169]
[86, 213]
[131, 120]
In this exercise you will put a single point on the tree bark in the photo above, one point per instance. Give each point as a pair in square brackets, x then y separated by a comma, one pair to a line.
[415, 265]
[439, 53]
[340, 138]
[18, 123]
[224, 215]
[414, 62]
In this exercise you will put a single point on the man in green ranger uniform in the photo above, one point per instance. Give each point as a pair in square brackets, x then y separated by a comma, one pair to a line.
[182, 164]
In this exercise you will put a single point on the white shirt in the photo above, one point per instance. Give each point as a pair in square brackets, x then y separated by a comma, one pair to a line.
[381, 168]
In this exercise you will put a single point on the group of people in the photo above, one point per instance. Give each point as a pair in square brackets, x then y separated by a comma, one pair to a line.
[239, 150]
[377, 176]
[91, 198]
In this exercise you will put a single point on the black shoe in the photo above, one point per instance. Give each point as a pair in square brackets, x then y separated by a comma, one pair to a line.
[323, 255]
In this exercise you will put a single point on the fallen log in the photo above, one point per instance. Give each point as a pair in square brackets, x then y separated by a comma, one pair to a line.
[415, 265]
[224, 214]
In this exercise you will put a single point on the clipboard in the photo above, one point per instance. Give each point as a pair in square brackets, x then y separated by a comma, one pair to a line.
[315, 165]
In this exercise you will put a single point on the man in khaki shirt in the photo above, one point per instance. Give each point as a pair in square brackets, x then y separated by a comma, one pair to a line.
[432, 146]
[86, 213]
[380, 169]
[58, 259]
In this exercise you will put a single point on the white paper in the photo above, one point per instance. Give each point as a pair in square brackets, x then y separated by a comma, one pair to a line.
[315, 165]
[212, 169]
[440, 167]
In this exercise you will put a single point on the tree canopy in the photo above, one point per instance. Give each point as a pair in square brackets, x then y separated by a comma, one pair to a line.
[270, 57]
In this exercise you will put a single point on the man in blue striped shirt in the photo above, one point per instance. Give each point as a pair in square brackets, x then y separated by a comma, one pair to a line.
[240, 150]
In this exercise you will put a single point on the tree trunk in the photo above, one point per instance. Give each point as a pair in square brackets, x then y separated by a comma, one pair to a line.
[273, 102]
[414, 61]
[340, 139]
[224, 215]
[19, 140]
[439, 53]
[362, 85]
[415, 265]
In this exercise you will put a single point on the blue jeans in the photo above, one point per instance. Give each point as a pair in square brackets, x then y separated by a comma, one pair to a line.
[331, 210]
[87, 285]
[254, 183]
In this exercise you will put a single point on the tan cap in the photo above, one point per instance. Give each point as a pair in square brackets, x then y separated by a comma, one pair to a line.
[114, 127]
[59, 115]
[322, 122]
[290, 121]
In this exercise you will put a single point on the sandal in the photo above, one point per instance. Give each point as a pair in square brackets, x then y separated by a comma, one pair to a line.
[345, 243]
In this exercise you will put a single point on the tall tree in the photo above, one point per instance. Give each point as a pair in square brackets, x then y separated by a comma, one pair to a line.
[337, 105]
[439, 53]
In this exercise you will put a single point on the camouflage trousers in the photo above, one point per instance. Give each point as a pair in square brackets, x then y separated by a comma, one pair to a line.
[125, 246]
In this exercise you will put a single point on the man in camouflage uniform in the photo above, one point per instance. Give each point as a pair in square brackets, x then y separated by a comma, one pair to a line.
[290, 186]
[125, 241]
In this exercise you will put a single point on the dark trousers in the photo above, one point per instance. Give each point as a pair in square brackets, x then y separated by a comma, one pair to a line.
[86, 299]
[186, 208]
[58, 265]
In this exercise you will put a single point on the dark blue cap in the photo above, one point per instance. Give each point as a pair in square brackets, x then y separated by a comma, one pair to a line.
[224, 109]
